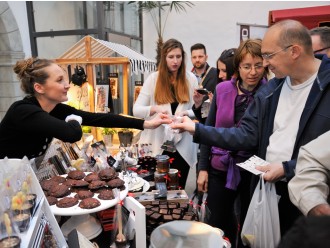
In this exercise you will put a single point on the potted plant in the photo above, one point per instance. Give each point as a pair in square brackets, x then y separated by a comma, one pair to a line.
[125, 136]
[108, 133]
[87, 131]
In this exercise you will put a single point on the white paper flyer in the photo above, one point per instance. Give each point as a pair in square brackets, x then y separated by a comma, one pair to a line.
[251, 163]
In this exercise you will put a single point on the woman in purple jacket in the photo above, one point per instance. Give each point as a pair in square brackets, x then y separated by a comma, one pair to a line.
[218, 174]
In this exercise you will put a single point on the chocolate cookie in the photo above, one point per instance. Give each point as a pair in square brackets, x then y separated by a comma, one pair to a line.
[47, 184]
[76, 183]
[67, 202]
[51, 200]
[69, 182]
[106, 195]
[92, 177]
[83, 194]
[98, 191]
[76, 174]
[59, 191]
[96, 184]
[107, 174]
[77, 189]
[89, 203]
[58, 179]
[115, 183]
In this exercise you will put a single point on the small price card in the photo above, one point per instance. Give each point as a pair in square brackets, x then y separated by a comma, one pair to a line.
[251, 163]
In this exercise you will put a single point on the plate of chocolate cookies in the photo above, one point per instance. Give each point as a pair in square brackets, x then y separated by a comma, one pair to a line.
[79, 192]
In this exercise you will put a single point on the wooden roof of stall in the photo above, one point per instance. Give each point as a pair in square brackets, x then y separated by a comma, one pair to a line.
[90, 50]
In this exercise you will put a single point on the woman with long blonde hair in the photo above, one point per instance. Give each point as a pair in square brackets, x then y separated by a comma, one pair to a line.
[169, 90]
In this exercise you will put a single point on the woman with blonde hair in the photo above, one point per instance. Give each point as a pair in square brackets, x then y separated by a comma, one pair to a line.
[30, 124]
[169, 90]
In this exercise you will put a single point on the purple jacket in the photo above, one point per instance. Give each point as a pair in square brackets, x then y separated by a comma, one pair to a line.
[224, 116]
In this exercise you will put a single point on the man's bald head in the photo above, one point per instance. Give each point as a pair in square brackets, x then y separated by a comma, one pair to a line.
[288, 32]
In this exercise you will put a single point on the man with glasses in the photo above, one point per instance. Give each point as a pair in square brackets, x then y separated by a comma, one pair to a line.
[321, 44]
[321, 40]
[288, 112]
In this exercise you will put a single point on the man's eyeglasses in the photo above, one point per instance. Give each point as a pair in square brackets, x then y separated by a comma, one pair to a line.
[266, 56]
[248, 68]
[320, 50]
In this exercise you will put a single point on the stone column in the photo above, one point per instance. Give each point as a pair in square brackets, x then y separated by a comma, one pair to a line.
[11, 50]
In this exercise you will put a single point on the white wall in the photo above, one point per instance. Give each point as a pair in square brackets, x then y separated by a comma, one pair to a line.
[18, 8]
[214, 24]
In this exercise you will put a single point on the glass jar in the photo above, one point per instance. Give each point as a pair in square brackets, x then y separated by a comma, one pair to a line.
[173, 179]
[163, 163]
[159, 177]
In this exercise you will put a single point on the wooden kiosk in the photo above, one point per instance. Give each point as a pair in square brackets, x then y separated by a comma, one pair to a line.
[90, 51]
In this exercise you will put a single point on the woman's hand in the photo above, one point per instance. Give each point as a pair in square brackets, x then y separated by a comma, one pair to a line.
[186, 125]
[182, 113]
[210, 96]
[198, 99]
[203, 181]
[157, 121]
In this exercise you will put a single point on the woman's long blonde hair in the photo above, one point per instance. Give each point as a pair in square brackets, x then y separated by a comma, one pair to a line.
[165, 80]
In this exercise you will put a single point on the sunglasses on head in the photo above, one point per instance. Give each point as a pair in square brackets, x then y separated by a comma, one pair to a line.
[228, 53]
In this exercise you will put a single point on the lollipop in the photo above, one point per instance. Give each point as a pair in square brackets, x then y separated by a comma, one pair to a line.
[18, 200]
[8, 224]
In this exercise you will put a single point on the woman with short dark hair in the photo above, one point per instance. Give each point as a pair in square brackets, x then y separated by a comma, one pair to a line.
[218, 174]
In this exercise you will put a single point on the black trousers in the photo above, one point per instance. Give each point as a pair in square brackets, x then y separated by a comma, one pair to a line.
[221, 202]
[288, 212]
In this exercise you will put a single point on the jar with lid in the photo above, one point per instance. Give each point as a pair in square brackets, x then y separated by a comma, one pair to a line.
[173, 179]
[160, 177]
[163, 163]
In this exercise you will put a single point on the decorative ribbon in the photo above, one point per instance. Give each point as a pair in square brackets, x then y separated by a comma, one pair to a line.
[167, 177]
[130, 194]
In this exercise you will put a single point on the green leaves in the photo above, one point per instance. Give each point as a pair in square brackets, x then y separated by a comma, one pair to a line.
[86, 129]
[108, 130]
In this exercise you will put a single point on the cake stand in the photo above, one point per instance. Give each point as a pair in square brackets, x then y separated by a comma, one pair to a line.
[86, 224]
[81, 219]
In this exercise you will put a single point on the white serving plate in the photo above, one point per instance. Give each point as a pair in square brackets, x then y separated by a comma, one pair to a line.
[76, 210]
